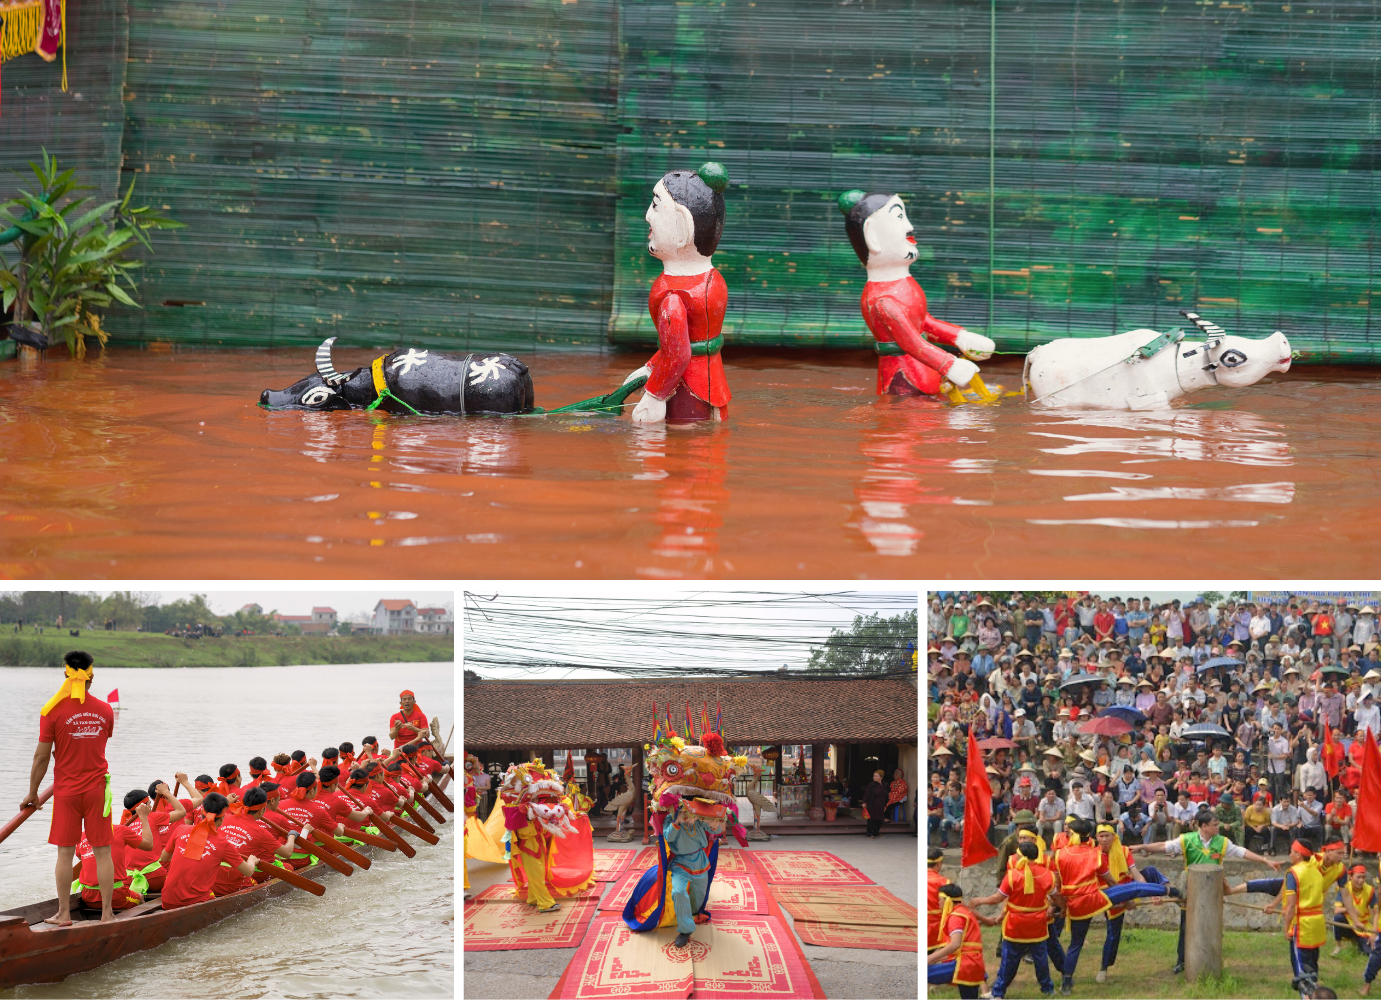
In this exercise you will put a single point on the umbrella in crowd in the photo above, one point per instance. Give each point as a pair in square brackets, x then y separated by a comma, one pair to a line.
[1219, 661]
[996, 743]
[1339, 671]
[1130, 715]
[1106, 725]
[1204, 731]
[1076, 679]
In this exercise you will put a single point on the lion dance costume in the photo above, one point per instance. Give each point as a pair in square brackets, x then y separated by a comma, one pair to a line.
[551, 845]
[693, 804]
[472, 768]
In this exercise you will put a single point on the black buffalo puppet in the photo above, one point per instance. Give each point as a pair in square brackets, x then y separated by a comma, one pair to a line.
[412, 381]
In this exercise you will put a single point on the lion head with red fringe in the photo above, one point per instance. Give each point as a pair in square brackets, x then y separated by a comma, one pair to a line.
[695, 780]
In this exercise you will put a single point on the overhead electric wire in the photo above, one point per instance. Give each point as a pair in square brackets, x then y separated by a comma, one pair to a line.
[735, 633]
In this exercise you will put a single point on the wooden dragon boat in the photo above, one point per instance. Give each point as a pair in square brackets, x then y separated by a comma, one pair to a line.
[32, 951]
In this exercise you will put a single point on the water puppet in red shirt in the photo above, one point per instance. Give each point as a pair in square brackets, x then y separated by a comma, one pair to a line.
[894, 307]
[685, 378]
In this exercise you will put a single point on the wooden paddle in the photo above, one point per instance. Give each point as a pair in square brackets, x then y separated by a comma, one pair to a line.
[344, 850]
[416, 831]
[411, 809]
[441, 796]
[370, 839]
[435, 812]
[322, 854]
[24, 814]
[384, 828]
[292, 878]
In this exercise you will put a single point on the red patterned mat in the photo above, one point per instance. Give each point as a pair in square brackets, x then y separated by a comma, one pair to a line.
[796, 868]
[504, 891]
[731, 892]
[740, 956]
[856, 916]
[611, 863]
[499, 925]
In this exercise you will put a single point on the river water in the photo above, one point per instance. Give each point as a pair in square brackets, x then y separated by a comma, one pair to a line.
[141, 465]
[385, 932]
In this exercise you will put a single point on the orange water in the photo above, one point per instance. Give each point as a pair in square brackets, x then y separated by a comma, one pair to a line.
[145, 465]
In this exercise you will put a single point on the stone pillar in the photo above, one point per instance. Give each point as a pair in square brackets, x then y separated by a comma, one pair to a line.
[1203, 928]
[777, 780]
[817, 780]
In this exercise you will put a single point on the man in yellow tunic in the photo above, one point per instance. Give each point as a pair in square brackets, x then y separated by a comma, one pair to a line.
[1302, 917]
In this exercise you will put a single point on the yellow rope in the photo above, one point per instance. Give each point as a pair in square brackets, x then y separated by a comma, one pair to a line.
[23, 26]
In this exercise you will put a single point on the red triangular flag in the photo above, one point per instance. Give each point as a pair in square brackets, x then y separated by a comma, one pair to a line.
[1330, 751]
[978, 809]
[114, 695]
[1366, 834]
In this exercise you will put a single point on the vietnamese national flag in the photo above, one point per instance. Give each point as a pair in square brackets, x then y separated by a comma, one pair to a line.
[114, 695]
[1330, 751]
[1366, 835]
[978, 809]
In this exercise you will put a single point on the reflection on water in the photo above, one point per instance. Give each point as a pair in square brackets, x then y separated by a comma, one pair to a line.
[383, 932]
[138, 465]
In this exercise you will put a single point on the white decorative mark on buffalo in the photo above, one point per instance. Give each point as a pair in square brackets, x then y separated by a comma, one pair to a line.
[315, 395]
[414, 358]
[488, 368]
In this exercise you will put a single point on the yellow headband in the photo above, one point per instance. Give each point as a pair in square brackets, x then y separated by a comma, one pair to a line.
[73, 687]
[1105, 828]
[1024, 863]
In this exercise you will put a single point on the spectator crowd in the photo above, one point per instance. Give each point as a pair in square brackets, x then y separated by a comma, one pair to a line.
[1138, 713]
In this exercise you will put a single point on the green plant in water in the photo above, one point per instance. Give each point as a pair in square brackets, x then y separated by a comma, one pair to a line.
[73, 261]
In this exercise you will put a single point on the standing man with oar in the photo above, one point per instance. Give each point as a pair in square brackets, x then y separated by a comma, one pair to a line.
[77, 725]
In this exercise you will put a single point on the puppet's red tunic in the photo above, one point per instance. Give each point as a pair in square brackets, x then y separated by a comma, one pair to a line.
[688, 308]
[895, 312]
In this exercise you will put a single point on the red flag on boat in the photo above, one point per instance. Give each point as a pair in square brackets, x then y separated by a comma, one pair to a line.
[1366, 835]
[1332, 753]
[114, 695]
[978, 809]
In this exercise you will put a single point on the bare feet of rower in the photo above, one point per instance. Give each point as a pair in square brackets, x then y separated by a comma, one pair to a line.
[59, 920]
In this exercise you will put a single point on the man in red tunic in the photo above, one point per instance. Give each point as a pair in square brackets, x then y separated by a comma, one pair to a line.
[340, 808]
[76, 724]
[934, 880]
[685, 378]
[406, 723]
[959, 962]
[301, 805]
[194, 856]
[894, 306]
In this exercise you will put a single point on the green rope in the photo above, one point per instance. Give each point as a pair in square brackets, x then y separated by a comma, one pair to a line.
[388, 394]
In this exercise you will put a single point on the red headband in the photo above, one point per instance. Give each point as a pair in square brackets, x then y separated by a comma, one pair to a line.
[202, 786]
[300, 792]
[1300, 848]
[1336, 845]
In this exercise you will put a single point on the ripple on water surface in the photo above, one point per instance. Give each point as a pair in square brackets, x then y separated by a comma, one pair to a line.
[138, 465]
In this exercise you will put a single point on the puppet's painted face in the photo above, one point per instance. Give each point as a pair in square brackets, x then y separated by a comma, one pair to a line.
[525, 784]
[472, 767]
[889, 234]
[670, 226]
[692, 771]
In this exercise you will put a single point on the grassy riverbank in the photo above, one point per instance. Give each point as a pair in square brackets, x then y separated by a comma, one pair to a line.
[139, 649]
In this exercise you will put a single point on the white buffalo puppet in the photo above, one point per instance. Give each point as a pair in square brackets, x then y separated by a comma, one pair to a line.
[1146, 370]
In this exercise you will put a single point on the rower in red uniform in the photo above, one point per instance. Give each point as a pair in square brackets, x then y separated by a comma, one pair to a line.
[369, 748]
[124, 895]
[249, 834]
[300, 858]
[346, 762]
[685, 378]
[194, 856]
[229, 785]
[894, 306]
[258, 772]
[406, 723]
[336, 804]
[300, 804]
[75, 725]
[167, 814]
[372, 794]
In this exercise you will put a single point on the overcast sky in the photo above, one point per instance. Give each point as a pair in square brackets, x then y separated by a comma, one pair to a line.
[301, 602]
[594, 635]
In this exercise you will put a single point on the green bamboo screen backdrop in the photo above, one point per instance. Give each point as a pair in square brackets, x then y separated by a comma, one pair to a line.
[474, 175]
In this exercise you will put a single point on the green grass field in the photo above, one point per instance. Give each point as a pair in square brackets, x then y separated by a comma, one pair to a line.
[1255, 964]
[141, 649]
